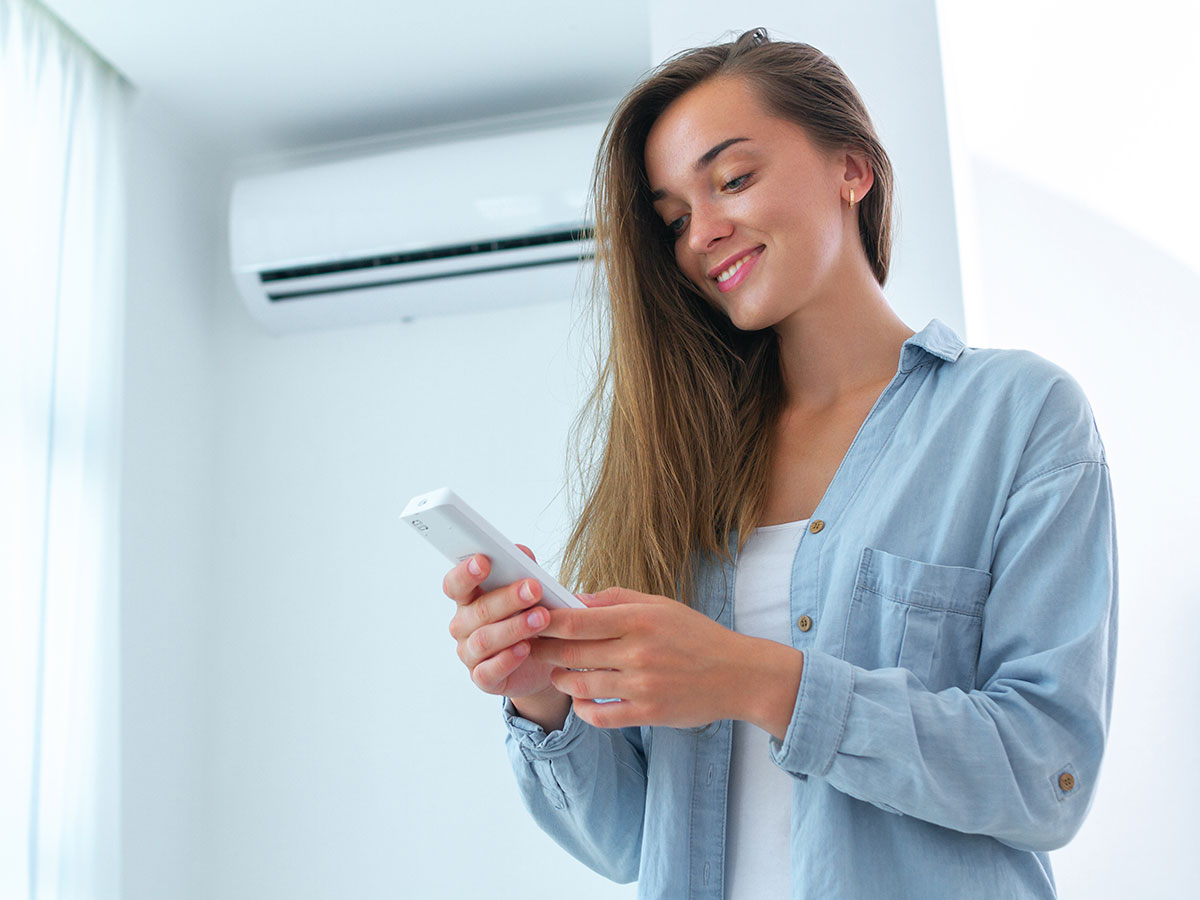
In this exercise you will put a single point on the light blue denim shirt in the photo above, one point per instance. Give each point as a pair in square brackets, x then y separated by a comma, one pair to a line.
[960, 574]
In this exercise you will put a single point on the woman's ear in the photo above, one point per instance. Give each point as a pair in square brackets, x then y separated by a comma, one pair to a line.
[857, 174]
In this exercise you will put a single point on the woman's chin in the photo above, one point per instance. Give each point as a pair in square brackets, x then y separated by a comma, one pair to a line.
[748, 319]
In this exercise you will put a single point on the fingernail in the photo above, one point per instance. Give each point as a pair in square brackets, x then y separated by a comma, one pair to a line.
[521, 650]
[586, 598]
[473, 567]
[526, 593]
[535, 619]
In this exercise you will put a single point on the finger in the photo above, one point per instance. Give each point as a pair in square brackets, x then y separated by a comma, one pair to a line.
[492, 674]
[589, 685]
[494, 606]
[611, 715]
[616, 596]
[578, 654]
[594, 623]
[497, 605]
[461, 583]
[527, 552]
[492, 639]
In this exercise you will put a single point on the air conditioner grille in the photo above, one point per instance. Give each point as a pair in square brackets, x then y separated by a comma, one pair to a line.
[277, 296]
[567, 236]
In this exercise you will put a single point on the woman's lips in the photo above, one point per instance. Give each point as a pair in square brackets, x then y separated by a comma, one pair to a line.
[744, 265]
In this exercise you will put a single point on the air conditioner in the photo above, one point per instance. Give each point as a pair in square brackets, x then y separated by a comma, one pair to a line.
[473, 224]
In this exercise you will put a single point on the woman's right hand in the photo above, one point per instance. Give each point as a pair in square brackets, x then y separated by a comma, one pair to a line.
[494, 630]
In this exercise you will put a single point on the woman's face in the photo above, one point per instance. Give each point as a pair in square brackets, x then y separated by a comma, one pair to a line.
[757, 211]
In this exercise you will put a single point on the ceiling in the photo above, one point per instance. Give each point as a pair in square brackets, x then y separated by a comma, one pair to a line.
[265, 76]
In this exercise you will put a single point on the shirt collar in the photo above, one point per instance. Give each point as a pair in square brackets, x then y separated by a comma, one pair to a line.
[935, 339]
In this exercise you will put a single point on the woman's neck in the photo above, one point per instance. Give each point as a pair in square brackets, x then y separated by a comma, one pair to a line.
[835, 348]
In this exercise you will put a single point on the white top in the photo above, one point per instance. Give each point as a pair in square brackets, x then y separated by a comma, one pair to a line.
[758, 825]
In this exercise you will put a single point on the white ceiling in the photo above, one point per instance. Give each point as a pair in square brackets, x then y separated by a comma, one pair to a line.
[262, 76]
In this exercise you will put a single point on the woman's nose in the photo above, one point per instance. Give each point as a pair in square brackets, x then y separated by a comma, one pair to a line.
[707, 226]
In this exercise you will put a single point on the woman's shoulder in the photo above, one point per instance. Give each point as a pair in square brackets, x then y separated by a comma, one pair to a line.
[1003, 372]
[1038, 397]
[1013, 366]
[1022, 374]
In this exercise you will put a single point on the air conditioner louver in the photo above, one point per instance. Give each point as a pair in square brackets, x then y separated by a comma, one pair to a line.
[559, 247]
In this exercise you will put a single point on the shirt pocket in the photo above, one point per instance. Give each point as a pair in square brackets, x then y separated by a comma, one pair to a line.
[919, 616]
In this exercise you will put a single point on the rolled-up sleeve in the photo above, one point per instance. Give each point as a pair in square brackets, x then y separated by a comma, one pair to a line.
[585, 787]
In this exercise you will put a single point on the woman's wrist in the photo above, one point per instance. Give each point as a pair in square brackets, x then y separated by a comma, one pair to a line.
[547, 709]
[766, 692]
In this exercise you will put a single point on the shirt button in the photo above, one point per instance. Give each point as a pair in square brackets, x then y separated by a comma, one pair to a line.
[816, 525]
[804, 623]
[1066, 781]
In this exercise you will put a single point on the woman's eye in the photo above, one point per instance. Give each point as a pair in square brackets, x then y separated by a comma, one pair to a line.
[676, 227]
[738, 183]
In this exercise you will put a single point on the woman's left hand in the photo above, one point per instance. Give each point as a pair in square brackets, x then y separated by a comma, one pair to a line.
[669, 664]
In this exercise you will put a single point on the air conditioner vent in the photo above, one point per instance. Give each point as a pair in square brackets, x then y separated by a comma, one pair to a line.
[569, 237]
[567, 257]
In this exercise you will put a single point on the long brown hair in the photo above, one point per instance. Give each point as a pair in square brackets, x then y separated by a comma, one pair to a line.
[673, 444]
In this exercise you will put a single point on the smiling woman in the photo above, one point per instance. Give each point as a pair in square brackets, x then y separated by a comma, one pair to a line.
[853, 584]
[772, 187]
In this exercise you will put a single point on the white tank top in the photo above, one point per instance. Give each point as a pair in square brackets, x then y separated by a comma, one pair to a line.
[758, 825]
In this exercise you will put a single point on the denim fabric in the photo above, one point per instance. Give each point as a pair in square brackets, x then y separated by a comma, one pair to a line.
[960, 661]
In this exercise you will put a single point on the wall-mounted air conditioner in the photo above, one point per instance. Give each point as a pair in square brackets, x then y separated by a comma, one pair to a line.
[474, 224]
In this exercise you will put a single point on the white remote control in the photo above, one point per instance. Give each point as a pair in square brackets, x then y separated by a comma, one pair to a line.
[456, 530]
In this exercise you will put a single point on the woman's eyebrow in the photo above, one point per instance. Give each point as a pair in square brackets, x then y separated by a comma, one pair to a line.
[715, 151]
[703, 161]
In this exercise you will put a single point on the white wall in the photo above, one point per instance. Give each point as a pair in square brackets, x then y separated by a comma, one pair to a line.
[295, 722]
[174, 215]
[352, 756]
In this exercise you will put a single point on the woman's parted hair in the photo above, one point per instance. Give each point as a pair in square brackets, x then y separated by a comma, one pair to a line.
[673, 444]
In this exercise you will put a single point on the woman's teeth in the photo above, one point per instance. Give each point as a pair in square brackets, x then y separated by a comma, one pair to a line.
[728, 273]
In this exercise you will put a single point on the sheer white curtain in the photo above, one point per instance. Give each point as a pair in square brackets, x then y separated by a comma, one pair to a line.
[62, 113]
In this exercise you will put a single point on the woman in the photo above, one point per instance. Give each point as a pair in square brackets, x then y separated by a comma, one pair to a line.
[888, 669]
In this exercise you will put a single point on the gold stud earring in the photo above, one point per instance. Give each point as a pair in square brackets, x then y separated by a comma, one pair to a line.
[852, 198]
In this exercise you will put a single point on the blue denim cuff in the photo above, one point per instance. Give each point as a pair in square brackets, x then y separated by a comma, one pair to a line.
[814, 734]
[533, 740]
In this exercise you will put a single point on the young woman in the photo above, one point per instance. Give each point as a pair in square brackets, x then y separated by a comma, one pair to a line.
[866, 617]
